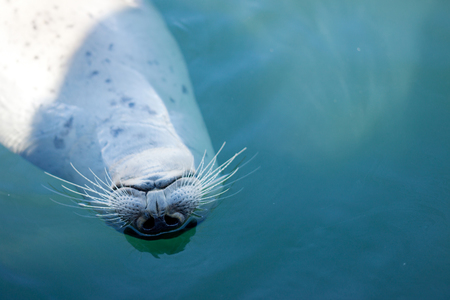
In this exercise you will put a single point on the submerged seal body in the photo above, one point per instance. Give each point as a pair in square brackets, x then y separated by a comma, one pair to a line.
[89, 86]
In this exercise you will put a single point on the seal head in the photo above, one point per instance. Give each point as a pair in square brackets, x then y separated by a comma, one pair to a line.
[154, 209]
[159, 211]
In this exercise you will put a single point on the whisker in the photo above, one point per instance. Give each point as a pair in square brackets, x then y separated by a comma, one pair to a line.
[212, 174]
[96, 207]
[215, 184]
[211, 164]
[66, 205]
[242, 177]
[231, 195]
[85, 216]
[212, 184]
[215, 195]
[82, 194]
[84, 188]
[87, 179]
[62, 194]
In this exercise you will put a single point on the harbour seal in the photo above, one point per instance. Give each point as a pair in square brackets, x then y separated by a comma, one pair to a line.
[97, 94]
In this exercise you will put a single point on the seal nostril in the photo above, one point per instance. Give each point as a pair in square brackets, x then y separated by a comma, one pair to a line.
[171, 220]
[149, 224]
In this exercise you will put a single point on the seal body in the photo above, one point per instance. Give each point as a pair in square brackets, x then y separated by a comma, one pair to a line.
[89, 86]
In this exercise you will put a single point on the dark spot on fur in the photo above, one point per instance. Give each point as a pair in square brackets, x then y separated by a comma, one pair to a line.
[115, 131]
[108, 80]
[93, 73]
[36, 57]
[172, 100]
[131, 104]
[111, 47]
[88, 54]
[184, 89]
[113, 103]
[150, 111]
[156, 62]
[163, 79]
[106, 60]
[69, 123]
[59, 143]
[126, 99]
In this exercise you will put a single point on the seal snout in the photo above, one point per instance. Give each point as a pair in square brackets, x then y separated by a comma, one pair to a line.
[151, 225]
[158, 213]
[157, 218]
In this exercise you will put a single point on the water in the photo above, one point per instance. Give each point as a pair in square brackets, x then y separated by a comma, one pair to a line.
[346, 104]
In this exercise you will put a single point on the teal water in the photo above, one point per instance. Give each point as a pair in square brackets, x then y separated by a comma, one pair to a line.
[347, 104]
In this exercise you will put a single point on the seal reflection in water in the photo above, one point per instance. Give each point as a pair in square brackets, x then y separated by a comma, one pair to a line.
[97, 94]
